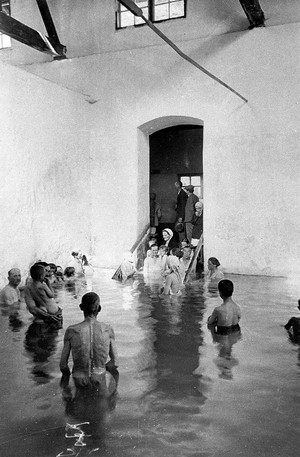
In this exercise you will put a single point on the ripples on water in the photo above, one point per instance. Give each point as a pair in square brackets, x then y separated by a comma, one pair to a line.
[183, 391]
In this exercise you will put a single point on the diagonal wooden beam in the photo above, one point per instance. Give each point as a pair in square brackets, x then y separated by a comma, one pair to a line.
[133, 8]
[49, 24]
[26, 35]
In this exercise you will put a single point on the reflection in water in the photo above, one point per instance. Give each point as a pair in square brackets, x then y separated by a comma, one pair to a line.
[174, 332]
[14, 317]
[295, 340]
[87, 413]
[225, 361]
[40, 343]
[173, 400]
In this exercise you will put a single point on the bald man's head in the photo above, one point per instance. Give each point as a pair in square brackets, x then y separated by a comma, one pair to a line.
[14, 277]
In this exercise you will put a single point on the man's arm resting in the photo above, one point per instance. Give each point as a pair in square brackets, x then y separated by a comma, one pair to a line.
[64, 368]
[31, 305]
[113, 353]
[213, 319]
[289, 324]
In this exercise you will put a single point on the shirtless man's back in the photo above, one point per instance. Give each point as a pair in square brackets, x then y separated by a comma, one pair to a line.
[225, 317]
[91, 343]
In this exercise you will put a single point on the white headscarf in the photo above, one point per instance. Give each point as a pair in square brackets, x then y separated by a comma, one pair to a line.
[169, 231]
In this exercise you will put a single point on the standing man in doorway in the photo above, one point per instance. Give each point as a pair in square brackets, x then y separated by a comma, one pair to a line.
[189, 211]
[180, 207]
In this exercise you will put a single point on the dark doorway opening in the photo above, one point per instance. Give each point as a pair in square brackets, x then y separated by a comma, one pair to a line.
[175, 153]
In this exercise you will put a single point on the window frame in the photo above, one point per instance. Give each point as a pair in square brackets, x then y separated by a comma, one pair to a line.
[191, 175]
[151, 9]
[8, 4]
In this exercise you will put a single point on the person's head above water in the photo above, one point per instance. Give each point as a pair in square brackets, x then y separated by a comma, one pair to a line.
[226, 288]
[69, 272]
[90, 304]
[154, 250]
[37, 272]
[14, 277]
[213, 261]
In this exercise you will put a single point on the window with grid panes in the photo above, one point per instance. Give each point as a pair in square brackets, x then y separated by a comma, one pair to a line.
[5, 41]
[194, 180]
[154, 10]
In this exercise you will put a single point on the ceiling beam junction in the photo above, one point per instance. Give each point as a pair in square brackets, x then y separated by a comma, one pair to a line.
[51, 30]
[33, 38]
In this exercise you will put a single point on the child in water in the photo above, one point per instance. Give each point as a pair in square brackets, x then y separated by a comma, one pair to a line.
[294, 324]
[41, 290]
[173, 282]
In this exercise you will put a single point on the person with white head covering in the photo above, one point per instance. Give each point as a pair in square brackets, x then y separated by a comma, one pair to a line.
[168, 239]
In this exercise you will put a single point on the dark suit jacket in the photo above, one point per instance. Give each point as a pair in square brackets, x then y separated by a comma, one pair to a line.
[172, 244]
[181, 202]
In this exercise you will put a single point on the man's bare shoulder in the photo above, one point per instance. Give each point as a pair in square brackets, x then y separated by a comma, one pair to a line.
[235, 305]
[9, 295]
[218, 309]
[104, 326]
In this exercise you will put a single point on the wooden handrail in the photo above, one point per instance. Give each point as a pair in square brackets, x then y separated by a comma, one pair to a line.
[135, 246]
[193, 261]
[140, 238]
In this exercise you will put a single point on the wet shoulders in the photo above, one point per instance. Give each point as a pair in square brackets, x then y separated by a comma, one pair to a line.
[236, 307]
[104, 327]
[75, 327]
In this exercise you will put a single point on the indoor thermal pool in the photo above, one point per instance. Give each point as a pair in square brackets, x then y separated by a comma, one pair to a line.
[182, 390]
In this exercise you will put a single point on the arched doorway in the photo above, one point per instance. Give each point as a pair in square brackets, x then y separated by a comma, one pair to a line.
[172, 148]
[175, 154]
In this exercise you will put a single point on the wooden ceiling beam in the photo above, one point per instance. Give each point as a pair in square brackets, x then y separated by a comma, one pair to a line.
[49, 24]
[26, 35]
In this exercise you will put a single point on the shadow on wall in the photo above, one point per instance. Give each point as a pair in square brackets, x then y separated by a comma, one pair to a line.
[228, 12]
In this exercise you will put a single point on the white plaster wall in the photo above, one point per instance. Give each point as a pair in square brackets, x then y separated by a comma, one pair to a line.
[88, 27]
[251, 160]
[251, 164]
[44, 173]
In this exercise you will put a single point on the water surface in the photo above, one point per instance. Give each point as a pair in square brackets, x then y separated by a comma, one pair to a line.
[182, 391]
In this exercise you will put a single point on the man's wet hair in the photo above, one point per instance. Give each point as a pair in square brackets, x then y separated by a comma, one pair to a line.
[90, 304]
[226, 288]
[164, 247]
[177, 252]
[36, 271]
[40, 262]
[69, 271]
[214, 261]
